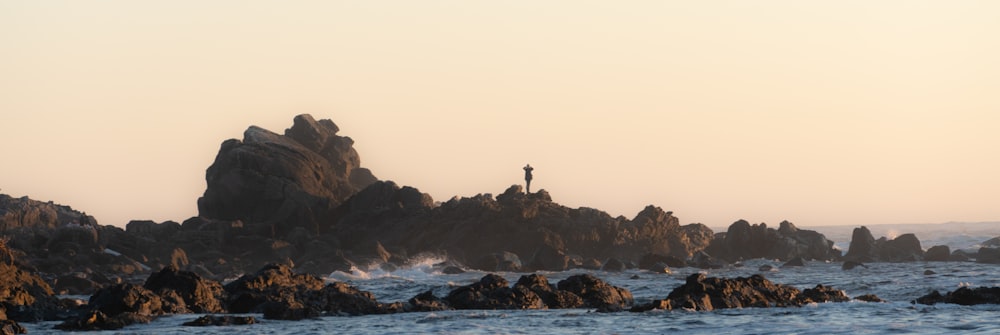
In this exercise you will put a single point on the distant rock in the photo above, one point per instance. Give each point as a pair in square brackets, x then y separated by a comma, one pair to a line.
[221, 320]
[938, 253]
[746, 241]
[963, 296]
[988, 255]
[613, 265]
[864, 248]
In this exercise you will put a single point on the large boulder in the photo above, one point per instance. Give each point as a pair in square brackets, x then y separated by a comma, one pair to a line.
[283, 181]
[199, 295]
[551, 296]
[596, 293]
[704, 293]
[273, 283]
[493, 292]
[862, 248]
[938, 253]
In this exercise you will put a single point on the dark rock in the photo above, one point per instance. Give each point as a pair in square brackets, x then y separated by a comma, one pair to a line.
[960, 256]
[963, 296]
[75, 283]
[492, 292]
[704, 293]
[869, 298]
[426, 302]
[655, 262]
[988, 255]
[703, 260]
[199, 295]
[549, 258]
[596, 293]
[279, 182]
[862, 248]
[797, 261]
[653, 305]
[503, 261]
[10, 327]
[273, 283]
[552, 297]
[452, 270]
[821, 294]
[126, 298]
[903, 248]
[97, 320]
[344, 299]
[591, 264]
[288, 310]
[938, 253]
[745, 241]
[614, 265]
[929, 272]
[849, 265]
[766, 268]
[221, 320]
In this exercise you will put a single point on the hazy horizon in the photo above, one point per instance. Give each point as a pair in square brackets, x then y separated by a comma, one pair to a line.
[819, 113]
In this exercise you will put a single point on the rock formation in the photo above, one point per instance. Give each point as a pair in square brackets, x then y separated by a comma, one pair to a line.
[274, 183]
[865, 248]
[746, 241]
[704, 293]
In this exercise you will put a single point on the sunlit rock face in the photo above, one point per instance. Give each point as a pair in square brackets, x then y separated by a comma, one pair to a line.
[279, 182]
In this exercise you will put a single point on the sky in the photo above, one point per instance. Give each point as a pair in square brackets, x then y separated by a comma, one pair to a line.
[816, 112]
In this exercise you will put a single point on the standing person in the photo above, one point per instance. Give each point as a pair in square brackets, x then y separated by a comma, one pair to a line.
[527, 177]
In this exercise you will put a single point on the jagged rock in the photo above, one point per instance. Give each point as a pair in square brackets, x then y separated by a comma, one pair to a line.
[426, 302]
[938, 253]
[822, 293]
[341, 298]
[552, 297]
[596, 293]
[198, 295]
[745, 241]
[273, 283]
[221, 320]
[283, 181]
[24, 295]
[492, 292]
[704, 293]
[97, 320]
[10, 327]
[963, 296]
[126, 298]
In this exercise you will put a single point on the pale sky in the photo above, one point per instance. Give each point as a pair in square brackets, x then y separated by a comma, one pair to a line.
[821, 113]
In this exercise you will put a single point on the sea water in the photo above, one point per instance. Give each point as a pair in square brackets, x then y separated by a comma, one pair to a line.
[897, 283]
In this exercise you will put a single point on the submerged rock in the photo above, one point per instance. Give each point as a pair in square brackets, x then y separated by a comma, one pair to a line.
[493, 292]
[704, 293]
[963, 296]
[221, 320]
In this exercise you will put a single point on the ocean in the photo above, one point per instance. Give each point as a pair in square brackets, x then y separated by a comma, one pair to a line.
[897, 283]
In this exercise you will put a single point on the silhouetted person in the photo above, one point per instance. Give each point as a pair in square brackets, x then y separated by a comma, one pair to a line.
[527, 177]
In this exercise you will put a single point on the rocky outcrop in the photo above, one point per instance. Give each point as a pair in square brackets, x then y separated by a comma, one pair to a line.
[938, 253]
[864, 248]
[493, 292]
[198, 294]
[541, 233]
[274, 183]
[25, 296]
[596, 293]
[745, 241]
[704, 293]
[963, 296]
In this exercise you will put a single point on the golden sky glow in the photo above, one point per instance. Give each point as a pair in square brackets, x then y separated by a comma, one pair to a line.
[836, 112]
